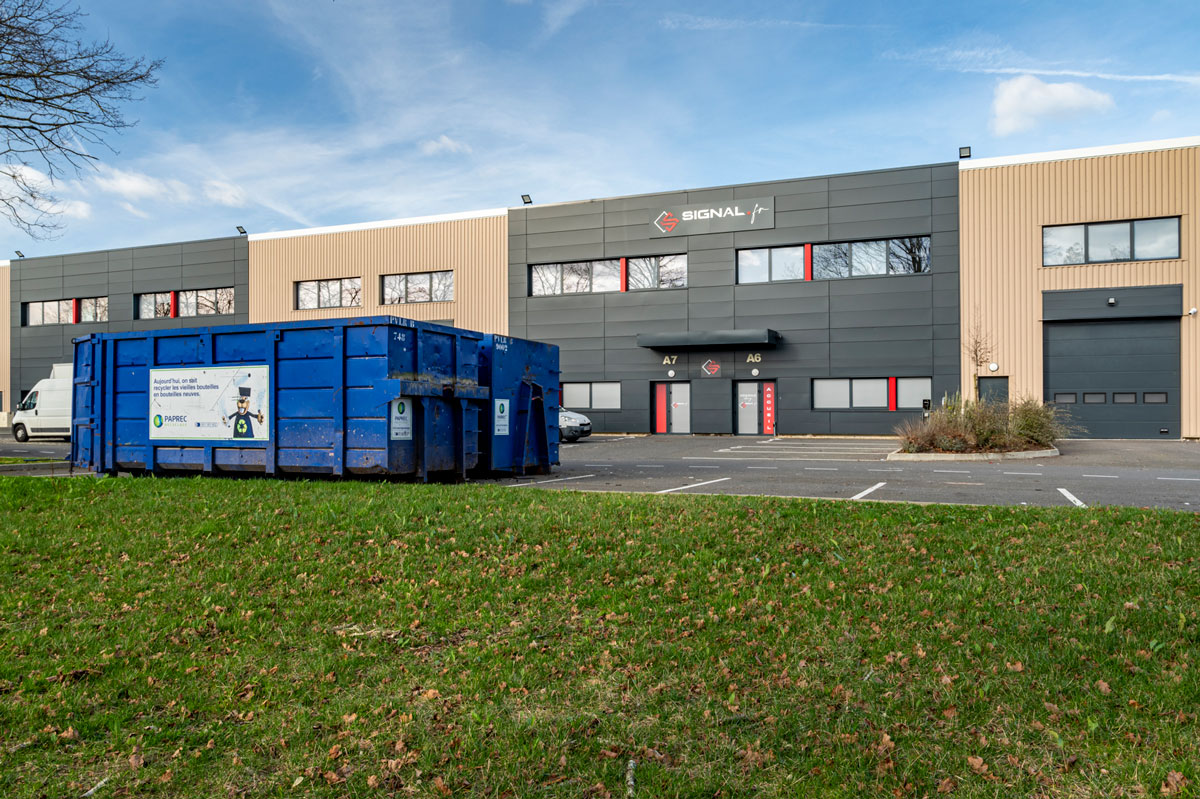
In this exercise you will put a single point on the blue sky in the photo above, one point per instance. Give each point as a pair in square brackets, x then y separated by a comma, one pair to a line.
[283, 114]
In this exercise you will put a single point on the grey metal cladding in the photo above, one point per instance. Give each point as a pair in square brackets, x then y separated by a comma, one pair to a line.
[1129, 303]
[859, 327]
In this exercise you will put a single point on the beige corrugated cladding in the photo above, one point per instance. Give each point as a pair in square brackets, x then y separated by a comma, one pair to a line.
[474, 245]
[1002, 210]
[6, 341]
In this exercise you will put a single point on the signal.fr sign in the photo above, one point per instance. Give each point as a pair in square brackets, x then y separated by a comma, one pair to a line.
[719, 217]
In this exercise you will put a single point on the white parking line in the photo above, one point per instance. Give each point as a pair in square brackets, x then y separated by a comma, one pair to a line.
[693, 485]
[694, 466]
[885, 470]
[649, 465]
[1185, 479]
[1071, 497]
[820, 469]
[762, 467]
[1106, 476]
[862, 494]
[1030, 474]
[555, 480]
[597, 464]
[951, 471]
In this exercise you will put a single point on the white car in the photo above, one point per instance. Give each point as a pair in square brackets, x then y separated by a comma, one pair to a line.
[573, 426]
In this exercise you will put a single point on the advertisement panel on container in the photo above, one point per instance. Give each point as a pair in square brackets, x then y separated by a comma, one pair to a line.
[212, 403]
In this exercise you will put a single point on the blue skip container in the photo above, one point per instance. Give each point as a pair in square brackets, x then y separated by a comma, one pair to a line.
[368, 396]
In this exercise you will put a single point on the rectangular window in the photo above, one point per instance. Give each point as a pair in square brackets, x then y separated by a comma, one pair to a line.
[93, 309]
[592, 396]
[908, 256]
[545, 280]
[1094, 398]
[205, 302]
[1110, 242]
[1065, 398]
[656, 272]
[753, 266]
[33, 314]
[337, 293]
[1156, 239]
[1154, 397]
[154, 306]
[606, 396]
[576, 278]
[911, 392]
[787, 263]
[606, 276]
[831, 261]
[60, 312]
[831, 394]
[869, 392]
[1124, 397]
[577, 395]
[595, 277]
[868, 258]
[418, 287]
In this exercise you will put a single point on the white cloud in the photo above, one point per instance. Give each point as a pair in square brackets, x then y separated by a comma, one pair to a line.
[140, 186]
[72, 209]
[559, 12]
[1162, 115]
[223, 193]
[444, 144]
[1004, 60]
[1021, 102]
[140, 214]
[693, 22]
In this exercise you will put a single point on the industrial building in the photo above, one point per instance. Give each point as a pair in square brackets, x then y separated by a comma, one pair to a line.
[833, 304]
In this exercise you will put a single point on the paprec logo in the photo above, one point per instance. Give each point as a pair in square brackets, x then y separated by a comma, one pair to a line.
[158, 420]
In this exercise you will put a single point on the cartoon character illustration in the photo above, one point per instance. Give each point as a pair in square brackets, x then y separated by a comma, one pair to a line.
[243, 420]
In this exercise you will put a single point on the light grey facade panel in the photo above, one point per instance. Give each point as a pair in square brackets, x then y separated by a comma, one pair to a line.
[710, 279]
[710, 196]
[785, 290]
[157, 262]
[881, 229]
[945, 223]
[945, 171]
[538, 305]
[558, 224]
[710, 295]
[82, 268]
[715, 242]
[645, 202]
[550, 255]
[704, 259]
[565, 209]
[945, 188]
[814, 217]
[899, 192]
[636, 302]
[42, 288]
[879, 178]
[779, 188]
[566, 238]
[710, 311]
[945, 205]
[881, 211]
[630, 218]
[565, 316]
[884, 284]
[638, 247]
[781, 237]
[801, 202]
[517, 222]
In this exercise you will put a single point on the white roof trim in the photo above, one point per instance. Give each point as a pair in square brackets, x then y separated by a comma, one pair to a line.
[412, 220]
[5, 263]
[1084, 152]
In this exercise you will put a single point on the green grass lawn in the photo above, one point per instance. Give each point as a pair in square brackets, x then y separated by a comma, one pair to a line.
[206, 637]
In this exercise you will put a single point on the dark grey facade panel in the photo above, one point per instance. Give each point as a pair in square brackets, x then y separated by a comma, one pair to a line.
[859, 327]
[1129, 303]
[566, 238]
[558, 224]
[120, 275]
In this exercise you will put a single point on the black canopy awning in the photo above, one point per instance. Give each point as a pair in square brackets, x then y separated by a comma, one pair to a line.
[710, 339]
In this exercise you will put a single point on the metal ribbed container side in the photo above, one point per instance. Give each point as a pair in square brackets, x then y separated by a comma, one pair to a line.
[475, 249]
[1003, 210]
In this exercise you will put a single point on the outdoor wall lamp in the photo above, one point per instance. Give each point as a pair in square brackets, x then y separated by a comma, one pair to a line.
[526, 199]
[19, 253]
[241, 230]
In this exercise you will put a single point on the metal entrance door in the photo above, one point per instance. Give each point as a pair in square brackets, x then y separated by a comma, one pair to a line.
[754, 409]
[673, 408]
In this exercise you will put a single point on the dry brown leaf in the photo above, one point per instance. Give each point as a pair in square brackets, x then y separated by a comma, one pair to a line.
[950, 712]
[441, 786]
[1173, 784]
[977, 765]
[166, 777]
[609, 754]
[335, 751]
[69, 734]
[1103, 688]
[947, 785]
[1018, 666]
[136, 760]
[372, 781]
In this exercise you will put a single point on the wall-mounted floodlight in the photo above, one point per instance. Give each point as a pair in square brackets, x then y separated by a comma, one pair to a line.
[993, 367]
[526, 199]
[19, 253]
[241, 230]
[1112, 301]
[964, 152]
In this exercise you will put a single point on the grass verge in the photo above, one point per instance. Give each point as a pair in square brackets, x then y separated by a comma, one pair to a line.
[201, 637]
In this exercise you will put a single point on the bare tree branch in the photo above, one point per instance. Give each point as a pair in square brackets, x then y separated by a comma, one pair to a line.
[59, 96]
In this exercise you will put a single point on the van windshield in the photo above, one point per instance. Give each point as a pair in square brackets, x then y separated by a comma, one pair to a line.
[30, 401]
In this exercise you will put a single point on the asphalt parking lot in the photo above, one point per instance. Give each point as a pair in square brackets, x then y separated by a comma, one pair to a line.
[1163, 474]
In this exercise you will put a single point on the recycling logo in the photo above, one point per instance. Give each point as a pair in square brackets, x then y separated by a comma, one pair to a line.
[241, 426]
[158, 420]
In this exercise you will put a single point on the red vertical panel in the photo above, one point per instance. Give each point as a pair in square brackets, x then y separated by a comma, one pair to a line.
[75, 311]
[624, 274]
[768, 410]
[808, 262]
[174, 304]
[891, 393]
[660, 406]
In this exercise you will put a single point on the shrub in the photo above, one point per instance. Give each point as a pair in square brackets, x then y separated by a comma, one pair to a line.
[968, 426]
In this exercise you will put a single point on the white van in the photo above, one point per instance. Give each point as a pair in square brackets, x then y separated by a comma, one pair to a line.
[46, 410]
